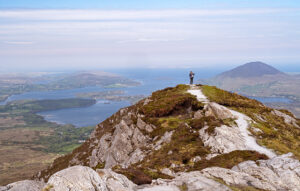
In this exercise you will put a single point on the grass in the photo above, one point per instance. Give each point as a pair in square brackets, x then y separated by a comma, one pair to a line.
[229, 160]
[228, 99]
[172, 109]
[18, 162]
[238, 187]
[35, 106]
[140, 176]
[170, 101]
[185, 144]
[163, 125]
[276, 134]
[23, 130]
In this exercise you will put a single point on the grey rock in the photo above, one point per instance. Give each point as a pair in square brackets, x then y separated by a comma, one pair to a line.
[80, 178]
[24, 185]
[166, 138]
[218, 111]
[147, 100]
[278, 173]
[196, 159]
[287, 119]
[144, 126]
[224, 140]
[114, 181]
[120, 148]
[192, 181]
[167, 171]
[198, 114]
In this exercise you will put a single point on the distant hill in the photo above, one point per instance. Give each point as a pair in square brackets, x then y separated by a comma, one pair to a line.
[260, 80]
[251, 69]
[85, 79]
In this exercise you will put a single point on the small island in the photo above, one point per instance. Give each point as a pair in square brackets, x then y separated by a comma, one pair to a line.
[111, 95]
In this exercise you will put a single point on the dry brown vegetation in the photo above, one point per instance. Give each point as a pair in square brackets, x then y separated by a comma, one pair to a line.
[19, 163]
[170, 101]
[172, 109]
[276, 134]
[229, 160]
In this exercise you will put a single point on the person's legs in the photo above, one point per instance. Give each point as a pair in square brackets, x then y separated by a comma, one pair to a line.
[191, 81]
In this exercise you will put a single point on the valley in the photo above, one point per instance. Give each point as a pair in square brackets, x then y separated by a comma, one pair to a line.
[29, 143]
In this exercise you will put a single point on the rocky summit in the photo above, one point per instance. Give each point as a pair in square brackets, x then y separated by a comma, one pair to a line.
[184, 138]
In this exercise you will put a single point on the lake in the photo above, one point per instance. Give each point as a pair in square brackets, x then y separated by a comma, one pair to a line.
[272, 99]
[151, 80]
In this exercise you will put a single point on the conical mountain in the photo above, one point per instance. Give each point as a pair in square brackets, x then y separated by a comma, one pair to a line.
[251, 69]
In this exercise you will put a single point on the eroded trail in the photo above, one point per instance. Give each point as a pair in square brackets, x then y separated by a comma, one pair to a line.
[243, 123]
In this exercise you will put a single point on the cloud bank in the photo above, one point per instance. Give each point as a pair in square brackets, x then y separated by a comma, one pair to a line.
[147, 38]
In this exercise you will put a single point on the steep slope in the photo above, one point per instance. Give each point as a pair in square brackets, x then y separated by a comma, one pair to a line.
[192, 138]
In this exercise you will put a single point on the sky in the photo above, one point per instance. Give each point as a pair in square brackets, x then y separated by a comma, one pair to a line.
[55, 34]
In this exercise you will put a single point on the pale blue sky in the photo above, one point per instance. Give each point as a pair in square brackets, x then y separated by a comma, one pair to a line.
[142, 33]
[147, 4]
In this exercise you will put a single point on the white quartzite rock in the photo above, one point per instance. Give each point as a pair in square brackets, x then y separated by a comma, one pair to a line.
[218, 111]
[224, 139]
[80, 178]
[122, 147]
[287, 119]
[24, 185]
[114, 181]
[192, 181]
[279, 173]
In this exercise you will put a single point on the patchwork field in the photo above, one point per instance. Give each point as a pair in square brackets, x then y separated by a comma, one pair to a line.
[28, 143]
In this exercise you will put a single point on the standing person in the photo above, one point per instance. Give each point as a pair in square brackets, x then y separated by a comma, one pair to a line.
[191, 77]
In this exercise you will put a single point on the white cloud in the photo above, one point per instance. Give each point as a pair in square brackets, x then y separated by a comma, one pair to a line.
[145, 40]
[19, 42]
[156, 38]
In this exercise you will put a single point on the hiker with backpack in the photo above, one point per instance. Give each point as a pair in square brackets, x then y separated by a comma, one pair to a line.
[191, 77]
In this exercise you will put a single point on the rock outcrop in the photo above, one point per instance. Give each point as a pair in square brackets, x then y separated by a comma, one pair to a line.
[120, 147]
[192, 181]
[279, 173]
[84, 178]
[183, 138]
[24, 185]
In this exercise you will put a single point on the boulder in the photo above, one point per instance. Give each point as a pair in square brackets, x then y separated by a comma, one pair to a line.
[279, 173]
[218, 111]
[24, 185]
[192, 181]
[79, 178]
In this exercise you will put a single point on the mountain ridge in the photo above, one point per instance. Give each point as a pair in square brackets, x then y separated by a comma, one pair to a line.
[183, 138]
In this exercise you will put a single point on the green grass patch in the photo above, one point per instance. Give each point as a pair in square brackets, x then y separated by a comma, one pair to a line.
[277, 134]
[229, 160]
[171, 101]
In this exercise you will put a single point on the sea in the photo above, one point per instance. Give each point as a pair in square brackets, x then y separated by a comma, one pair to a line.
[150, 79]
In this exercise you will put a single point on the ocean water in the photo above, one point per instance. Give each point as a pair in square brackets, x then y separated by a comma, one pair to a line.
[272, 99]
[151, 80]
[86, 116]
